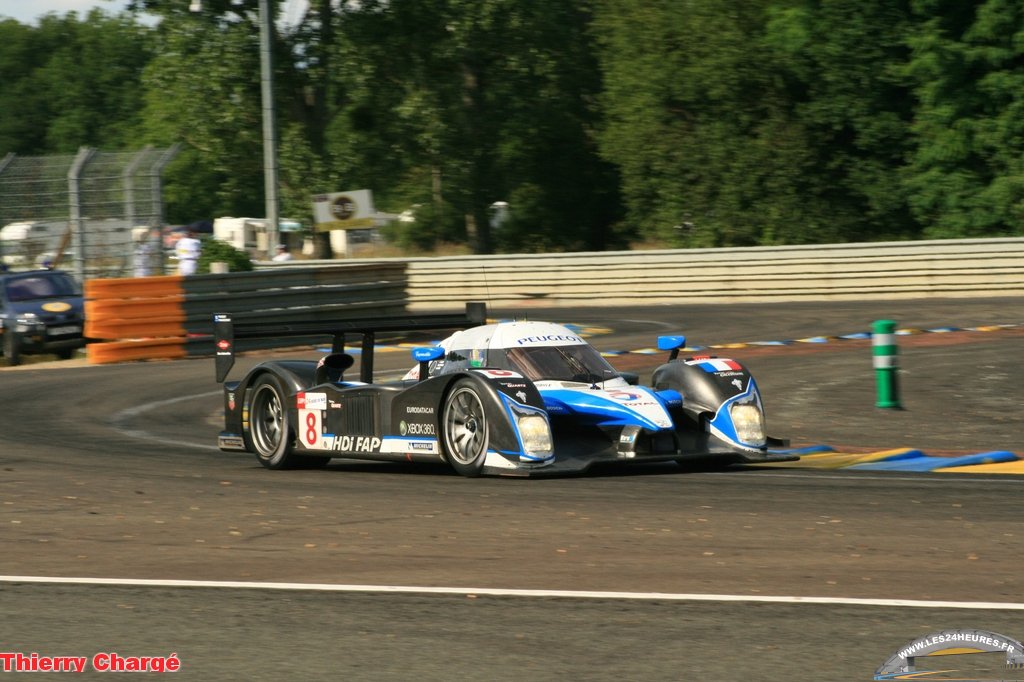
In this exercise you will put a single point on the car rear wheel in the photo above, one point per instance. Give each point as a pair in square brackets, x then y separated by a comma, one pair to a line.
[465, 429]
[271, 437]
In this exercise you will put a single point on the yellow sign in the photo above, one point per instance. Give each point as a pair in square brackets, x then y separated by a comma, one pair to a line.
[343, 210]
[350, 224]
[56, 307]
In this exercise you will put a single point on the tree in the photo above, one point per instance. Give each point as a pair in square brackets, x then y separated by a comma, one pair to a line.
[842, 62]
[25, 119]
[217, 116]
[757, 122]
[216, 251]
[70, 83]
[966, 175]
[456, 104]
[700, 128]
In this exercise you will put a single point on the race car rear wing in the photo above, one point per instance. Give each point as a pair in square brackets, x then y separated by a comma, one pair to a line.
[226, 332]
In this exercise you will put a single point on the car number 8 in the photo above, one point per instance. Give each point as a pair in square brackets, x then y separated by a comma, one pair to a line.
[311, 433]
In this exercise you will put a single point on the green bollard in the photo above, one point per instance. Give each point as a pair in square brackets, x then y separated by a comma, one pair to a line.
[886, 361]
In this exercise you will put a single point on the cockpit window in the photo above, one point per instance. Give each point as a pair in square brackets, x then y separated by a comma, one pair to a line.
[560, 363]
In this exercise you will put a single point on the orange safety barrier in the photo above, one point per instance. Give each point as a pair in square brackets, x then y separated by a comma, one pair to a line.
[134, 287]
[135, 308]
[140, 319]
[141, 349]
[111, 328]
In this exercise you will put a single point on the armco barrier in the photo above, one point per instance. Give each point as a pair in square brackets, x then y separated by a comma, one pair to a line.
[843, 271]
[172, 317]
[887, 270]
[135, 313]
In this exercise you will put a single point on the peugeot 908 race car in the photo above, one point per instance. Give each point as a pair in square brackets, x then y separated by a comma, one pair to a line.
[514, 398]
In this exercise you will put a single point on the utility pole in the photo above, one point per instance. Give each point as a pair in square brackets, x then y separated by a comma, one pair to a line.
[269, 128]
[266, 20]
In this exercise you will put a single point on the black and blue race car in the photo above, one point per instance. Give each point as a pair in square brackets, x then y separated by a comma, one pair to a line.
[514, 398]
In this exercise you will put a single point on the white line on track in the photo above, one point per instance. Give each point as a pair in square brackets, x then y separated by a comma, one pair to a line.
[119, 419]
[498, 592]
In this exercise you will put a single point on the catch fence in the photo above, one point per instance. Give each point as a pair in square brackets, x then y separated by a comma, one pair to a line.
[91, 212]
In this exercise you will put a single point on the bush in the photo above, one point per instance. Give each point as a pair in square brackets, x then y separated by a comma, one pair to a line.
[215, 251]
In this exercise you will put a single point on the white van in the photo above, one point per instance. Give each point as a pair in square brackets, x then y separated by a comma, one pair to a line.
[245, 234]
[23, 242]
[250, 234]
[37, 243]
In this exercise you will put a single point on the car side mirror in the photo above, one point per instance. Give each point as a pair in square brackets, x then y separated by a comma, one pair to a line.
[672, 344]
[424, 356]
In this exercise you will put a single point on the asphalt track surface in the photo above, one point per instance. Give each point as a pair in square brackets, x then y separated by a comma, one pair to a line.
[111, 472]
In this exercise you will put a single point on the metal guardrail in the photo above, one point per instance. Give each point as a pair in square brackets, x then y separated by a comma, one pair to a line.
[884, 270]
[172, 317]
[290, 295]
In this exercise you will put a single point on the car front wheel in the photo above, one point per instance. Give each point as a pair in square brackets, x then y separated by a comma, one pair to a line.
[465, 429]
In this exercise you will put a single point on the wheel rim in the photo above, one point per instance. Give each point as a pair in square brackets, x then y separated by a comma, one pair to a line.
[267, 421]
[465, 426]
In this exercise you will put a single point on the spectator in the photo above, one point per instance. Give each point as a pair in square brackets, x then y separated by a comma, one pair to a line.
[145, 251]
[282, 254]
[187, 250]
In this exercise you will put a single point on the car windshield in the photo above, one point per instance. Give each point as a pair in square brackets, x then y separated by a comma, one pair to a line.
[561, 363]
[31, 287]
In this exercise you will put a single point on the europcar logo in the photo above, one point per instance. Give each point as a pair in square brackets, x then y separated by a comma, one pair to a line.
[902, 665]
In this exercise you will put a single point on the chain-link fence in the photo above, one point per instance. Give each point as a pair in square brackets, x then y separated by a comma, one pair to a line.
[98, 213]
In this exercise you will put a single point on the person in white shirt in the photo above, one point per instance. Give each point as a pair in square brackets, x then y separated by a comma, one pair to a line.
[282, 253]
[187, 250]
[145, 251]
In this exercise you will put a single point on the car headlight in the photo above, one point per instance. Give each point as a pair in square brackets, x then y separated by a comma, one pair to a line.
[748, 420]
[535, 434]
[26, 322]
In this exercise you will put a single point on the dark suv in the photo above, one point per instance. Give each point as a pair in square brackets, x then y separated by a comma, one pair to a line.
[40, 312]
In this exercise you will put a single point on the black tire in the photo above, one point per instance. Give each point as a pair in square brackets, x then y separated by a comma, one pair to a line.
[66, 353]
[272, 438]
[464, 429]
[12, 351]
